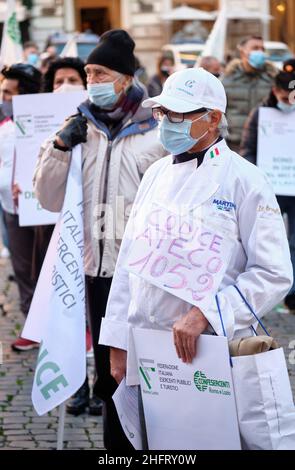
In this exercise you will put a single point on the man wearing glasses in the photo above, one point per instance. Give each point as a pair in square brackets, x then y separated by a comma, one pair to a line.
[119, 143]
[204, 179]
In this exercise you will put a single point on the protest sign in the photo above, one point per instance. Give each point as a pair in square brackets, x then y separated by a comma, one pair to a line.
[181, 254]
[57, 315]
[11, 44]
[37, 117]
[275, 153]
[186, 406]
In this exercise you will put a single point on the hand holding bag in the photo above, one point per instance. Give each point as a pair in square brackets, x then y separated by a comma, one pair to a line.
[265, 406]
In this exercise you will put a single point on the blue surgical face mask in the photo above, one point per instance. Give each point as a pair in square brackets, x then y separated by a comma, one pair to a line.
[176, 138]
[33, 58]
[257, 59]
[286, 108]
[103, 95]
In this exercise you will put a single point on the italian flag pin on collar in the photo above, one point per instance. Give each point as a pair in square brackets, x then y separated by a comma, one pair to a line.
[214, 153]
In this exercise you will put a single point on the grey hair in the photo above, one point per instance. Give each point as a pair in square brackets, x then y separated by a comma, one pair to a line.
[222, 126]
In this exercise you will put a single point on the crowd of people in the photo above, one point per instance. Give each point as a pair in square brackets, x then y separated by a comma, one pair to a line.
[118, 128]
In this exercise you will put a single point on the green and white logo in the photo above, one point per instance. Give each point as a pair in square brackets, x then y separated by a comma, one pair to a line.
[146, 366]
[202, 383]
[13, 30]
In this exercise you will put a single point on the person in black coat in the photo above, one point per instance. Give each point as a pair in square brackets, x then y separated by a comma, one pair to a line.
[282, 98]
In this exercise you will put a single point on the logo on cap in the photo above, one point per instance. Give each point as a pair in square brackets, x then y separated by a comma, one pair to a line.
[189, 83]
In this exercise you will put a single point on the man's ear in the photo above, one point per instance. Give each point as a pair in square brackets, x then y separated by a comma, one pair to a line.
[215, 118]
[127, 81]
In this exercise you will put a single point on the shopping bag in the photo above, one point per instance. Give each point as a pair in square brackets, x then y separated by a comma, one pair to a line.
[265, 407]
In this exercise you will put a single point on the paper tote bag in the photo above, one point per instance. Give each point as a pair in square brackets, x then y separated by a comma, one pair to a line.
[265, 406]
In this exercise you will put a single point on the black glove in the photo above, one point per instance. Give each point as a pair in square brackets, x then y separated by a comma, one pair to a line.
[74, 131]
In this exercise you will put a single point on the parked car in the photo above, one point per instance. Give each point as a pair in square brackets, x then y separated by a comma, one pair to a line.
[184, 55]
[277, 52]
[86, 42]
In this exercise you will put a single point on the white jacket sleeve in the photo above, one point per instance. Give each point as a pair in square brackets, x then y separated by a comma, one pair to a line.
[268, 276]
[50, 177]
[114, 327]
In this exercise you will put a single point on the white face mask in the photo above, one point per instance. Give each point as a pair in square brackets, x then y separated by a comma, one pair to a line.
[286, 108]
[104, 94]
[176, 138]
[67, 87]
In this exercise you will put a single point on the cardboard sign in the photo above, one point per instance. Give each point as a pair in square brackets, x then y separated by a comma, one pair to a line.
[181, 254]
[186, 406]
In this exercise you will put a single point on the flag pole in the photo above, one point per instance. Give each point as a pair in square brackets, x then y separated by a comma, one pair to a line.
[61, 425]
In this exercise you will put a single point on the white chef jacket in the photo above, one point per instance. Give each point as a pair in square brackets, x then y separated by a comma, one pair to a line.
[232, 193]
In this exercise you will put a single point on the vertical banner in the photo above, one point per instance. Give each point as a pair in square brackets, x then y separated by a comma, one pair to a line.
[11, 46]
[57, 314]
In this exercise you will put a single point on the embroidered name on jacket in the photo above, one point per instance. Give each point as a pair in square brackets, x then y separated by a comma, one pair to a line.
[224, 205]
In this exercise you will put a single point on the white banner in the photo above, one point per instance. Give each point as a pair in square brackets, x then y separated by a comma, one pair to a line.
[187, 406]
[57, 313]
[11, 47]
[276, 151]
[215, 44]
[37, 117]
[179, 253]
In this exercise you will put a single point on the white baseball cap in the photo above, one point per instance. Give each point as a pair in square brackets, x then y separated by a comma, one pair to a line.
[189, 90]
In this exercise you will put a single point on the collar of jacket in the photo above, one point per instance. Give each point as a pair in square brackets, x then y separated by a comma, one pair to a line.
[211, 173]
[202, 182]
[235, 68]
[186, 157]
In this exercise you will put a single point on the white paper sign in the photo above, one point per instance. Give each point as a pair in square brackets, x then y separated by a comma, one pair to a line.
[37, 117]
[187, 406]
[276, 151]
[180, 254]
[126, 402]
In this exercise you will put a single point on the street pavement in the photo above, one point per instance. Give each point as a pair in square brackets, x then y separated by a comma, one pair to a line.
[21, 427]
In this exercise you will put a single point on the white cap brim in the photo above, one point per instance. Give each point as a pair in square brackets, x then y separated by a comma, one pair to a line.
[172, 104]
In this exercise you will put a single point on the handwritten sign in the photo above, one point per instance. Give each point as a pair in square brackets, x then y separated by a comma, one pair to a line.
[181, 254]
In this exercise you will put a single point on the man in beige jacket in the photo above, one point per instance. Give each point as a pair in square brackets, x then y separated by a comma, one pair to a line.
[119, 143]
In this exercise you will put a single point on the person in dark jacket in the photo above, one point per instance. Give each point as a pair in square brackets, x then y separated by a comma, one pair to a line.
[281, 99]
[165, 69]
[247, 82]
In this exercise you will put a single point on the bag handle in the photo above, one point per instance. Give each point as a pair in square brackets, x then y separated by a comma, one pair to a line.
[250, 308]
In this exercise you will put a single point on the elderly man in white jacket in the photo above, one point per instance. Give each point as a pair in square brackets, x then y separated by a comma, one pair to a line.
[202, 179]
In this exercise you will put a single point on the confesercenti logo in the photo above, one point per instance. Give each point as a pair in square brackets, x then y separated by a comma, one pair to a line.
[202, 383]
[147, 366]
